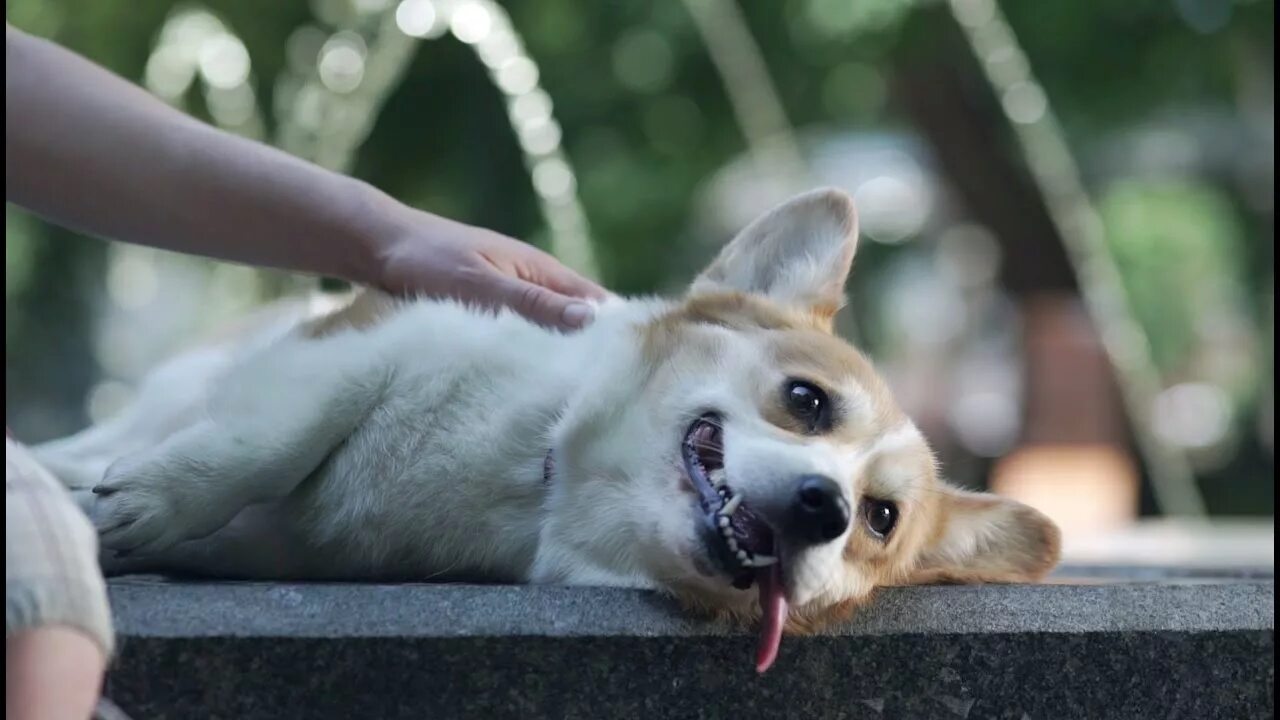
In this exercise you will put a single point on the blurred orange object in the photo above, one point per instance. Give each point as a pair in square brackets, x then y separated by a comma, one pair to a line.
[1084, 488]
[1074, 464]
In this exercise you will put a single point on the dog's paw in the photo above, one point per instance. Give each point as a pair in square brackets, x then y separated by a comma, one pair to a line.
[147, 504]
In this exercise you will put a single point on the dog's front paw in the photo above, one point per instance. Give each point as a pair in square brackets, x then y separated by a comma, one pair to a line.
[148, 504]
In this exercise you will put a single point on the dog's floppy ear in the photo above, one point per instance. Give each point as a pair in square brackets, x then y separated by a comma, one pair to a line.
[798, 254]
[981, 537]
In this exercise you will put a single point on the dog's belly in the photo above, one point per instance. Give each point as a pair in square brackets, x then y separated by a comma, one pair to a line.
[416, 492]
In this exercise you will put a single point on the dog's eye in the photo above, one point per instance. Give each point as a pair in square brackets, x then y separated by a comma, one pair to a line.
[809, 404]
[881, 516]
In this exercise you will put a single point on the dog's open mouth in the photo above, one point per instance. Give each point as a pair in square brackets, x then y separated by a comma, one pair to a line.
[739, 538]
[743, 542]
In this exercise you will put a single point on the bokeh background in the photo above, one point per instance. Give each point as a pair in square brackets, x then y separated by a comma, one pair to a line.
[1067, 208]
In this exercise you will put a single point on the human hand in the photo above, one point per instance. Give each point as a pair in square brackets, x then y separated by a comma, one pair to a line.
[71, 150]
[429, 255]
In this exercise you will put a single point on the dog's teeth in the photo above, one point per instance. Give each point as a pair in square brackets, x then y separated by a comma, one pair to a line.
[731, 505]
[717, 477]
[742, 555]
[724, 521]
[764, 560]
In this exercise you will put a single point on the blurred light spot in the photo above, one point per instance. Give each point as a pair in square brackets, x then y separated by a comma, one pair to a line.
[224, 62]
[302, 49]
[308, 108]
[540, 138]
[417, 18]
[517, 76]
[470, 23]
[1025, 103]
[131, 280]
[853, 89]
[106, 399]
[1192, 415]
[926, 311]
[330, 12]
[842, 18]
[969, 255]
[114, 353]
[553, 179]
[891, 210]
[974, 13]
[832, 17]
[369, 7]
[1167, 148]
[531, 107]
[1007, 64]
[1083, 488]
[985, 422]
[169, 72]
[498, 48]
[191, 28]
[341, 65]
[231, 107]
[643, 61]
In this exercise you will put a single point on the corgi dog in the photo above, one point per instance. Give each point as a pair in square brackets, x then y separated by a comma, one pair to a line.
[724, 447]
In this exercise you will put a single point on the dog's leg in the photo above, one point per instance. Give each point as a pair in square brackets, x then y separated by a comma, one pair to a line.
[169, 399]
[271, 422]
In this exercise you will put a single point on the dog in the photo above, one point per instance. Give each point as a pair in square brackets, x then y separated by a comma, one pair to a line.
[698, 446]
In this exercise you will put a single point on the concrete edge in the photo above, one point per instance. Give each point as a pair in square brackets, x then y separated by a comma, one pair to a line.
[147, 608]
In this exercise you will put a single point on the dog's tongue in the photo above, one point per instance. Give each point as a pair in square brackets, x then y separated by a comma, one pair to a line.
[773, 604]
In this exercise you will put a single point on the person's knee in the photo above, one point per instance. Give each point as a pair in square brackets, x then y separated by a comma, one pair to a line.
[52, 576]
[52, 671]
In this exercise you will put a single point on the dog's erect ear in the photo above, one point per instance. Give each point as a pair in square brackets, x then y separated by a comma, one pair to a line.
[987, 538]
[797, 254]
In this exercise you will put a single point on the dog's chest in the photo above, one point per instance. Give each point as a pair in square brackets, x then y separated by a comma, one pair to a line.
[446, 473]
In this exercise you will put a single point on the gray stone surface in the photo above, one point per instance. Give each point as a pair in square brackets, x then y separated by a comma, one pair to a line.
[1185, 644]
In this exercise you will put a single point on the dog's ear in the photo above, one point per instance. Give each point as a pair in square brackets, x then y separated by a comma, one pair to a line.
[798, 254]
[981, 537]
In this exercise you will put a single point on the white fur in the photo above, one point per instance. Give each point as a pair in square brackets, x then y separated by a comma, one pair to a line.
[415, 448]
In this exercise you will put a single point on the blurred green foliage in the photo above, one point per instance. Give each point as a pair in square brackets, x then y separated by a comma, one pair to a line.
[646, 121]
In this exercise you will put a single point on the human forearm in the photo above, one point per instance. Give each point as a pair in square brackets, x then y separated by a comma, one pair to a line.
[89, 150]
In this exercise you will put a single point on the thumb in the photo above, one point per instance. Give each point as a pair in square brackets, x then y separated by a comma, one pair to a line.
[544, 306]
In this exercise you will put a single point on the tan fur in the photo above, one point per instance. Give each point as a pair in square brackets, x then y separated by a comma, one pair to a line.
[802, 346]
[773, 237]
[1033, 542]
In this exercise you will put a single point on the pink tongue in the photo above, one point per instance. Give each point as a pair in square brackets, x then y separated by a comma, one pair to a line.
[773, 603]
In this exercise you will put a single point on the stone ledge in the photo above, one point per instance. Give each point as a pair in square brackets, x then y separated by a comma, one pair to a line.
[1177, 645]
[160, 609]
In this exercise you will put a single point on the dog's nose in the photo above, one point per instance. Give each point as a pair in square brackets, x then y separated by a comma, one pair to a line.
[819, 511]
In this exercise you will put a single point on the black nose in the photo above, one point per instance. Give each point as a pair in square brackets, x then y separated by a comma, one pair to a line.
[819, 512]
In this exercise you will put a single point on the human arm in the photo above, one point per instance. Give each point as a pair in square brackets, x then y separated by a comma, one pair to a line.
[86, 149]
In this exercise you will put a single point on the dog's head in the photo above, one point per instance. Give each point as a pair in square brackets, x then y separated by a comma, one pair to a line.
[747, 444]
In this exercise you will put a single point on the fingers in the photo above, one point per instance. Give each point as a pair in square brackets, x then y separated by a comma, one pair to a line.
[542, 305]
[567, 282]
